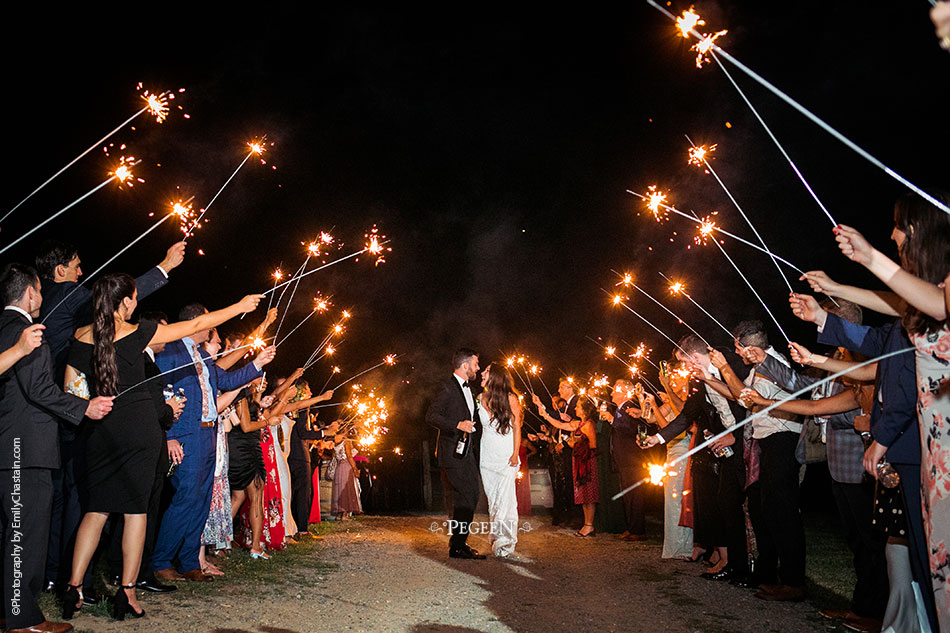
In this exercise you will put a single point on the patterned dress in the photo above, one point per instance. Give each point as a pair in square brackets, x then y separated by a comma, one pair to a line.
[933, 414]
[219, 529]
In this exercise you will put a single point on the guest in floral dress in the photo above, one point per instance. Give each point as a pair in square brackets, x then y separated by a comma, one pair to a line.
[922, 235]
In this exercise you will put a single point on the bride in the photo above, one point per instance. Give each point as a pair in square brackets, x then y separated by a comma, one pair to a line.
[501, 440]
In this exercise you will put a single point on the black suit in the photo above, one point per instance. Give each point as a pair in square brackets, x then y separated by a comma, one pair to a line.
[727, 520]
[29, 450]
[448, 409]
[298, 461]
[628, 459]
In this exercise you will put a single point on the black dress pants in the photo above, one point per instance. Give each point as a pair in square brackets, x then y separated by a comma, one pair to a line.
[855, 506]
[301, 490]
[781, 512]
[463, 477]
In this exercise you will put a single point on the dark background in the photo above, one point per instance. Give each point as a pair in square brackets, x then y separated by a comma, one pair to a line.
[494, 149]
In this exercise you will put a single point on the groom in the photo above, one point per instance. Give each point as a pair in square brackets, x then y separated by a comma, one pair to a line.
[453, 412]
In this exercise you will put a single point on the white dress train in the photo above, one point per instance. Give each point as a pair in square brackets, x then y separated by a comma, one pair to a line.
[283, 472]
[498, 479]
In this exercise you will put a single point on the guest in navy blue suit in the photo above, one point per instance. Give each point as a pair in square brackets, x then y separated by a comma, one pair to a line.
[893, 417]
[192, 442]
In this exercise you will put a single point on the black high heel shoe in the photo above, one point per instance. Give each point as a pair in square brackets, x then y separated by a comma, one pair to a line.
[121, 606]
[71, 597]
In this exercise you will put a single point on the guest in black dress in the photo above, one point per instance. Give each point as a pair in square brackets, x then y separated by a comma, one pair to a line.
[123, 449]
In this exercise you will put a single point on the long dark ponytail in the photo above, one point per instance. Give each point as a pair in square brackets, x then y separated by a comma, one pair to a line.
[107, 295]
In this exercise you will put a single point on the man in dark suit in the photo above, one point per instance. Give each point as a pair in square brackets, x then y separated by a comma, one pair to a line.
[30, 404]
[66, 307]
[184, 521]
[454, 414]
[563, 511]
[625, 424]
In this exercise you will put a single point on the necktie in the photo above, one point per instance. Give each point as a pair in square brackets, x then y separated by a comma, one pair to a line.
[200, 369]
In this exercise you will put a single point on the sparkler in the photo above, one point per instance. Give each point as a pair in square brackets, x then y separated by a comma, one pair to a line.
[156, 104]
[701, 156]
[387, 360]
[752, 288]
[278, 275]
[304, 320]
[659, 472]
[611, 352]
[707, 227]
[765, 411]
[256, 147]
[333, 372]
[713, 47]
[319, 268]
[677, 288]
[122, 174]
[174, 212]
[619, 300]
[640, 353]
[313, 249]
[627, 280]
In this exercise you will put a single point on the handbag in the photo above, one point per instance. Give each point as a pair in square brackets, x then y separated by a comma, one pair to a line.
[331, 469]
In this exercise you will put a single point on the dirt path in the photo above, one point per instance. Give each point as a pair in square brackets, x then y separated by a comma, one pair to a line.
[393, 574]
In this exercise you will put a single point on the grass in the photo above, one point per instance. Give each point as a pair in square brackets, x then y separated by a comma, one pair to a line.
[241, 572]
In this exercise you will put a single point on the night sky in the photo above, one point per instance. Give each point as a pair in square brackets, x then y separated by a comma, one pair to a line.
[493, 147]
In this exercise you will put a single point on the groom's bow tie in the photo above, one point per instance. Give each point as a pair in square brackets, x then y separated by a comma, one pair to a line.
[465, 385]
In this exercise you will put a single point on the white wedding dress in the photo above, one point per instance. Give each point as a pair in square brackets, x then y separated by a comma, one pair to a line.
[498, 479]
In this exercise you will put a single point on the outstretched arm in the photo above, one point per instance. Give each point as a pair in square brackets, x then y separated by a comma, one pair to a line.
[878, 300]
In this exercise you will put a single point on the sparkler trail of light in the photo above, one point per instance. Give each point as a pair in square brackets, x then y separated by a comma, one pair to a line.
[333, 372]
[148, 106]
[781, 149]
[292, 293]
[713, 227]
[112, 259]
[319, 268]
[191, 364]
[744, 217]
[304, 320]
[680, 290]
[278, 275]
[512, 364]
[752, 288]
[57, 214]
[635, 373]
[388, 360]
[536, 372]
[628, 279]
[618, 300]
[256, 148]
[811, 116]
[765, 411]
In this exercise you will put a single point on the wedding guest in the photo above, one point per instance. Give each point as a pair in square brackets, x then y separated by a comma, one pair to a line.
[246, 469]
[30, 403]
[346, 488]
[922, 234]
[713, 414]
[183, 523]
[625, 423]
[561, 462]
[68, 306]
[110, 354]
[584, 454]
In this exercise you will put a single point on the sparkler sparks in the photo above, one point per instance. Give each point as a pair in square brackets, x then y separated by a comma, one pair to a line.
[123, 173]
[688, 21]
[706, 228]
[677, 288]
[256, 147]
[157, 105]
[258, 343]
[656, 203]
[375, 245]
[703, 46]
[698, 155]
[659, 472]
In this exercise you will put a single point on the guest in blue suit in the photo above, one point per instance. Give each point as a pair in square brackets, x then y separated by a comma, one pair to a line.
[192, 443]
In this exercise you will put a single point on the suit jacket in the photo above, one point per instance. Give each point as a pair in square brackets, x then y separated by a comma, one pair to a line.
[298, 434]
[624, 452]
[894, 414]
[845, 447]
[448, 409]
[76, 311]
[30, 404]
[176, 354]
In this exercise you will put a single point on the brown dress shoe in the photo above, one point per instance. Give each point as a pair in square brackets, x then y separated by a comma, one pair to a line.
[836, 614]
[170, 574]
[863, 625]
[782, 593]
[46, 627]
[196, 575]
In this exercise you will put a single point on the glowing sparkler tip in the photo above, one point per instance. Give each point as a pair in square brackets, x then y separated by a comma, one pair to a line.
[617, 300]
[676, 288]
[703, 46]
[390, 360]
[698, 155]
[157, 105]
[258, 343]
[611, 350]
[656, 202]
[688, 21]
[256, 147]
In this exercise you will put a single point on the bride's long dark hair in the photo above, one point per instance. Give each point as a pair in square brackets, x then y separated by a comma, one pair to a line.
[107, 295]
[497, 390]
